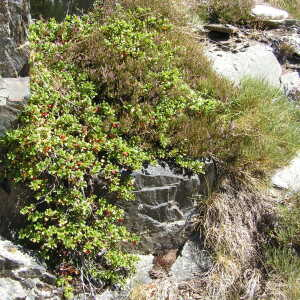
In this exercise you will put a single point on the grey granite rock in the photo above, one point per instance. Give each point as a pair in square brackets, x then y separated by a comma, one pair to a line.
[290, 83]
[257, 61]
[192, 262]
[288, 178]
[11, 289]
[268, 12]
[221, 28]
[165, 202]
[13, 95]
[22, 277]
[14, 49]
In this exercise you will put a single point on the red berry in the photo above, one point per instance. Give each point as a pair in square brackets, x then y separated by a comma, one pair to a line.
[107, 213]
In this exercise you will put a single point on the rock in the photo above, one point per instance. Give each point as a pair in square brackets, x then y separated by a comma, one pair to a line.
[221, 28]
[11, 289]
[268, 12]
[257, 61]
[293, 41]
[13, 95]
[14, 49]
[22, 277]
[286, 47]
[58, 9]
[192, 262]
[11, 202]
[290, 83]
[290, 22]
[288, 178]
[141, 277]
[15, 89]
[165, 200]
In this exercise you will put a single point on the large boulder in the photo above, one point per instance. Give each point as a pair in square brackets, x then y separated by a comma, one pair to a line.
[14, 49]
[268, 12]
[257, 61]
[58, 9]
[166, 202]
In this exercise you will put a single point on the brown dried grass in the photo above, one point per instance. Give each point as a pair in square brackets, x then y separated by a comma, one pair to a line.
[231, 227]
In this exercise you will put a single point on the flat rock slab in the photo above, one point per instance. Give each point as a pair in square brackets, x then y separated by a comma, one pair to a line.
[221, 28]
[288, 178]
[269, 12]
[14, 89]
[257, 61]
[13, 95]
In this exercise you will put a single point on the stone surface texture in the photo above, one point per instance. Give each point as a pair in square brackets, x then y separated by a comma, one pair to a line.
[288, 178]
[191, 262]
[293, 41]
[269, 12]
[13, 95]
[286, 46]
[221, 28]
[22, 277]
[14, 50]
[290, 83]
[257, 61]
[166, 201]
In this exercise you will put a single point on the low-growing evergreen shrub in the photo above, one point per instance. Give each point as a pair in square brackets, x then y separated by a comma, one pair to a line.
[111, 91]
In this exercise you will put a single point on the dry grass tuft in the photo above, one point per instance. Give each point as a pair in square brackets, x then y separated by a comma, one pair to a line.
[233, 222]
[292, 6]
[161, 289]
[232, 230]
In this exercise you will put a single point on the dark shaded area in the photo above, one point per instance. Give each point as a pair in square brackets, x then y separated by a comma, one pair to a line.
[58, 9]
[219, 36]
